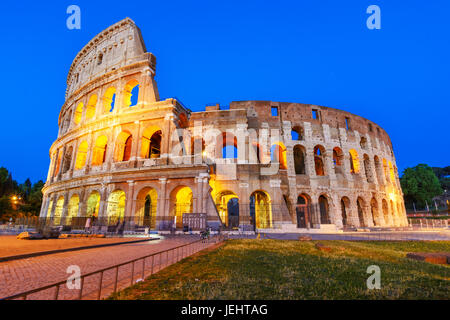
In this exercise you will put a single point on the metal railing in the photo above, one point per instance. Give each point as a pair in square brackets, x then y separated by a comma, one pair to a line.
[158, 261]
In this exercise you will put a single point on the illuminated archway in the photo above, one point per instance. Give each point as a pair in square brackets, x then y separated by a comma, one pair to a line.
[151, 142]
[227, 204]
[354, 161]
[78, 113]
[116, 207]
[181, 202]
[146, 207]
[131, 93]
[72, 210]
[80, 161]
[109, 99]
[93, 204]
[58, 211]
[123, 147]
[278, 155]
[99, 153]
[91, 106]
[261, 209]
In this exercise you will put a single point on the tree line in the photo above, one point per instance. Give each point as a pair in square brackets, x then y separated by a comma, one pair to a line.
[420, 184]
[19, 200]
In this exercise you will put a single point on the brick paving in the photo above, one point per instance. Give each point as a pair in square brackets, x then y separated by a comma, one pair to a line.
[11, 246]
[26, 274]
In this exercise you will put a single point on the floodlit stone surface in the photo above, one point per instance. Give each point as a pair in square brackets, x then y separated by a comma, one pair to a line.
[264, 165]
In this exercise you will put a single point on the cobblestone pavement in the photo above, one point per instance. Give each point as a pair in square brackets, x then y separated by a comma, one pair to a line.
[27, 274]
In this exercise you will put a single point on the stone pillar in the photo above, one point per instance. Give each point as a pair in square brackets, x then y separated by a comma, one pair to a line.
[129, 199]
[162, 212]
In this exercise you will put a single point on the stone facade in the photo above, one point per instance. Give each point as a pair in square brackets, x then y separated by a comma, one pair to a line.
[121, 152]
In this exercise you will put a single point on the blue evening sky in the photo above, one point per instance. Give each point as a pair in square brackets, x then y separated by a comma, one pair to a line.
[317, 52]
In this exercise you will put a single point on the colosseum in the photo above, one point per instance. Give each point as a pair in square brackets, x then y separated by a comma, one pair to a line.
[124, 156]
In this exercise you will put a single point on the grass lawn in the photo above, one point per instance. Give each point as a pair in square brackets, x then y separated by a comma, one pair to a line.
[274, 269]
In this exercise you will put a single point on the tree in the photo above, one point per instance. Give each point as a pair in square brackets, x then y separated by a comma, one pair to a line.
[420, 184]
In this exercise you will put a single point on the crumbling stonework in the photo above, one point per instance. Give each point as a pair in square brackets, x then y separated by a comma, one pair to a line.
[256, 165]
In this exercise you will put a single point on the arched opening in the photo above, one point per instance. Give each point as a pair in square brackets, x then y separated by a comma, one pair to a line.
[363, 143]
[91, 106]
[367, 168]
[93, 204]
[116, 207]
[227, 204]
[302, 211]
[385, 212]
[324, 210]
[181, 200]
[58, 163]
[378, 169]
[319, 154]
[109, 99]
[299, 159]
[391, 172]
[278, 155]
[374, 211]
[72, 210]
[146, 206]
[131, 93]
[198, 146]
[354, 161]
[229, 145]
[100, 59]
[99, 153]
[345, 207]
[58, 211]
[360, 206]
[80, 161]
[49, 210]
[260, 210]
[67, 159]
[151, 143]
[338, 158]
[78, 113]
[123, 146]
[386, 170]
[297, 133]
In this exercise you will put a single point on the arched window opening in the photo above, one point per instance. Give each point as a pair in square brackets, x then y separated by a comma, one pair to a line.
[58, 211]
[72, 211]
[91, 106]
[58, 163]
[146, 207]
[302, 211]
[338, 158]
[99, 152]
[80, 161]
[131, 93]
[386, 170]
[345, 206]
[198, 146]
[67, 159]
[360, 207]
[100, 59]
[93, 204]
[297, 133]
[385, 212]
[354, 161]
[324, 210]
[151, 143]
[227, 204]
[116, 207]
[278, 155]
[299, 159]
[78, 113]
[109, 99]
[391, 173]
[229, 145]
[123, 147]
[363, 142]
[319, 154]
[378, 169]
[260, 210]
[367, 169]
[181, 200]
[374, 211]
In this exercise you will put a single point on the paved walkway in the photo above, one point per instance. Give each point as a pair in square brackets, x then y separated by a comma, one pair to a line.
[11, 246]
[27, 274]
